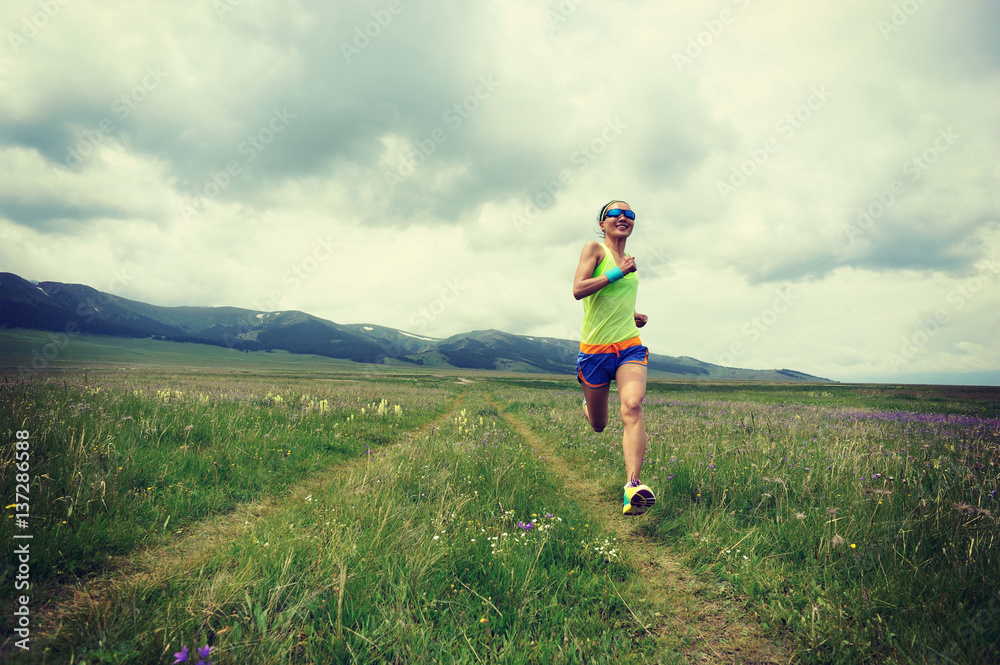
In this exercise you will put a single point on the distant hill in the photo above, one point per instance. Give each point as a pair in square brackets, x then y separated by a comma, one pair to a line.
[75, 308]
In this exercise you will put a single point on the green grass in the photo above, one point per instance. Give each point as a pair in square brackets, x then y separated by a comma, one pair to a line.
[118, 464]
[870, 534]
[30, 352]
[861, 521]
[458, 546]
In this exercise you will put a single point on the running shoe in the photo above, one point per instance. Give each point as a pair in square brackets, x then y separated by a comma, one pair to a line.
[638, 499]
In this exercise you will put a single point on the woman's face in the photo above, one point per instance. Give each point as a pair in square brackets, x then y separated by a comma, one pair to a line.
[618, 226]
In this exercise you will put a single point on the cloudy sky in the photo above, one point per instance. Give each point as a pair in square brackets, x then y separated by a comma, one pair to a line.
[817, 184]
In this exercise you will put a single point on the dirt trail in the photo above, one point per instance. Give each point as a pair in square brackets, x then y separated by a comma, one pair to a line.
[189, 548]
[668, 599]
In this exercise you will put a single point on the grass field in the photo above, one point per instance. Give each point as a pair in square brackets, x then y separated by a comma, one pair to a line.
[301, 512]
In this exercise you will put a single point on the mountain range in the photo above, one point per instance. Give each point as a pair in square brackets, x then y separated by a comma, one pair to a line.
[76, 308]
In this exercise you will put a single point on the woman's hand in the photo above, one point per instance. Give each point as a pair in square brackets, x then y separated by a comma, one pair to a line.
[628, 265]
[640, 319]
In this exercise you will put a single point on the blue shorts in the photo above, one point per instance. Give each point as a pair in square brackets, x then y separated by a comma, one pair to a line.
[597, 364]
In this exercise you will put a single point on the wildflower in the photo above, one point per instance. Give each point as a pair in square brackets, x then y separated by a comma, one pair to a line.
[832, 511]
[204, 653]
[181, 655]
[837, 541]
[800, 516]
[853, 546]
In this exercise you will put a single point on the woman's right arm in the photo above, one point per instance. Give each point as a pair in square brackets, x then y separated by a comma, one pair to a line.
[583, 284]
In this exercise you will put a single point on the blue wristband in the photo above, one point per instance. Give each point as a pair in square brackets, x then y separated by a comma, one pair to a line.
[614, 275]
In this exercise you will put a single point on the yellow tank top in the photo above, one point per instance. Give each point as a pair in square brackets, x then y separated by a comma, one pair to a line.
[608, 314]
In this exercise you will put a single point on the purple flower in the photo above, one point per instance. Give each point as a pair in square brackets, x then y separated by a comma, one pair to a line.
[181, 655]
[522, 525]
[204, 652]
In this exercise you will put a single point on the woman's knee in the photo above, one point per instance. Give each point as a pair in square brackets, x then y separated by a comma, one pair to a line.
[631, 408]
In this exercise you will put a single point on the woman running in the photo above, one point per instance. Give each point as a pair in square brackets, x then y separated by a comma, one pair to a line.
[610, 349]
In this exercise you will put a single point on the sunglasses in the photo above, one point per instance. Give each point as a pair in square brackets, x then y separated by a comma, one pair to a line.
[617, 212]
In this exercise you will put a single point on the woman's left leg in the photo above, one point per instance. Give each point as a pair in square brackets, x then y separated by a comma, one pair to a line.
[631, 380]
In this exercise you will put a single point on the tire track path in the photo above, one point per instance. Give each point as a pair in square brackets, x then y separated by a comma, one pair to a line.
[667, 600]
[187, 551]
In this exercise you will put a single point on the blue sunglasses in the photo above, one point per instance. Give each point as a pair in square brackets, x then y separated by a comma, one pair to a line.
[617, 212]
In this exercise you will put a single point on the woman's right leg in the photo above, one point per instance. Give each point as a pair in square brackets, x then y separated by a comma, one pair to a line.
[595, 408]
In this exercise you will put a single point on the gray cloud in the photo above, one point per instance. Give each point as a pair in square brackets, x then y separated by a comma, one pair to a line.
[446, 140]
